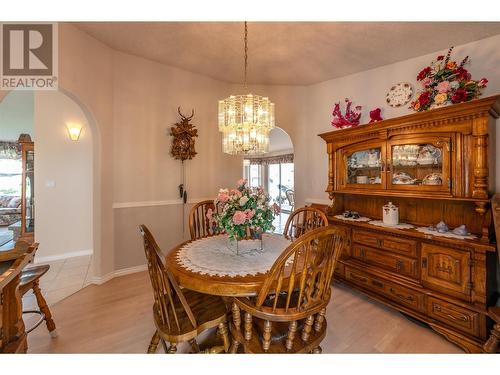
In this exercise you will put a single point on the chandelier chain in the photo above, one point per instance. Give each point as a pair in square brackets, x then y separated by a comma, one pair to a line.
[246, 54]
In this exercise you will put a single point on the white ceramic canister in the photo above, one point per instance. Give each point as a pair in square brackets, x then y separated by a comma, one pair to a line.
[390, 214]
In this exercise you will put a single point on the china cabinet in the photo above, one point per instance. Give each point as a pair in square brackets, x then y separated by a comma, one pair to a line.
[434, 166]
[28, 189]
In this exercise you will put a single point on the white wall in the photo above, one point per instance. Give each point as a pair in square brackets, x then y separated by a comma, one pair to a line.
[63, 212]
[16, 115]
[368, 89]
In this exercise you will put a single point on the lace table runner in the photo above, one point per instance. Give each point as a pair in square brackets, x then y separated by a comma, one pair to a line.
[380, 223]
[361, 218]
[213, 256]
[450, 234]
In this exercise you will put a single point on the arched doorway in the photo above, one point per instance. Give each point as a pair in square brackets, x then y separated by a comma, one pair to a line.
[275, 172]
[64, 188]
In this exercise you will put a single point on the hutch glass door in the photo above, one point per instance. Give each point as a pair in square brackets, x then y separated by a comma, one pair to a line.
[420, 165]
[364, 167]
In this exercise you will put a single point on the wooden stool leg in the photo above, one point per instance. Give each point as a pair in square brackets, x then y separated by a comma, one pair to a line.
[491, 346]
[320, 318]
[292, 328]
[237, 324]
[306, 331]
[153, 345]
[42, 305]
[317, 350]
[172, 349]
[225, 335]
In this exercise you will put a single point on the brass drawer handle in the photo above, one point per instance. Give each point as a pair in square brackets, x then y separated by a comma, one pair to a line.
[377, 283]
[399, 265]
[462, 318]
[362, 279]
[399, 295]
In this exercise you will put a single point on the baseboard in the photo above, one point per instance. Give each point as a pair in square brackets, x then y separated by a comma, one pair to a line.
[98, 280]
[53, 258]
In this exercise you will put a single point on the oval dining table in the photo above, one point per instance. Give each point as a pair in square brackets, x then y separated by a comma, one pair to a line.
[225, 286]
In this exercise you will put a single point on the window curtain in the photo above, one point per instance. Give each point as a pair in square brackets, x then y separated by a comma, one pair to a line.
[10, 150]
[288, 158]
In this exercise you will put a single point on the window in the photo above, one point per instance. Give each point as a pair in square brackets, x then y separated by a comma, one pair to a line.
[253, 173]
[10, 177]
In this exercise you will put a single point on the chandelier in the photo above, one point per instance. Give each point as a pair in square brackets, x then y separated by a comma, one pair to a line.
[245, 120]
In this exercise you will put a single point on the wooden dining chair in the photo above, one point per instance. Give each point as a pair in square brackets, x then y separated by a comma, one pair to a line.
[304, 220]
[288, 314]
[30, 280]
[180, 315]
[199, 225]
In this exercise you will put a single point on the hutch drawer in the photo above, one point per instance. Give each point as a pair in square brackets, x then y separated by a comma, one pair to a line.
[386, 260]
[398, 245]
[397, 293]
[455, 316]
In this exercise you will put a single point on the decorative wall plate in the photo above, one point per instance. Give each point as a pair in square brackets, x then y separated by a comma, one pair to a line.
[399, 94]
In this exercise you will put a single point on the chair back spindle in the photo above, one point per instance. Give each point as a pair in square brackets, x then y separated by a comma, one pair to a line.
[199, 224]
[304, 220]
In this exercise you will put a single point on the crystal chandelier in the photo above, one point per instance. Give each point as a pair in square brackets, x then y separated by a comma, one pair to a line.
[245, 120]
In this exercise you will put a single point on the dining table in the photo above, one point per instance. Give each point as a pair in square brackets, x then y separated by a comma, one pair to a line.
[212, 265]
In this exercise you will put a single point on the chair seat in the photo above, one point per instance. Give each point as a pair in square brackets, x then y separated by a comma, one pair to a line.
[28, 276]
[208, 310]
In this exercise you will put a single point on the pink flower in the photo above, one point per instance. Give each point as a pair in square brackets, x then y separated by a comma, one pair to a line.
[443, 87]
[426, 82]
[241, 182]
[239, 218]
[276, 209]
[482, 82]
[249, 213]
[223, 197]
[235, 192]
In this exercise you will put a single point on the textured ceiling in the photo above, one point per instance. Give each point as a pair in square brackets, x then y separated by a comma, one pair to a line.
[291, 53]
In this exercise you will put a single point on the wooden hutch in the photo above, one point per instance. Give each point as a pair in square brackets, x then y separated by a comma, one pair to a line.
[435, 166]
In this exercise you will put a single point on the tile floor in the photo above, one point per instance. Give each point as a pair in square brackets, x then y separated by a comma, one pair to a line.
[64, 278]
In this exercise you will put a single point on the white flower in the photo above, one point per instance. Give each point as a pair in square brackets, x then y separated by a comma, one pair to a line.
[454, 85]
[243, 200]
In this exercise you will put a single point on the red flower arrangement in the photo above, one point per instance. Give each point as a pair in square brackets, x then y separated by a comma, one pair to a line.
[444, 81]
[351, 117]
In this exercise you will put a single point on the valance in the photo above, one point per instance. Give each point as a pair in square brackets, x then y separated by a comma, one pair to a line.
[10, 150]
[287, 158]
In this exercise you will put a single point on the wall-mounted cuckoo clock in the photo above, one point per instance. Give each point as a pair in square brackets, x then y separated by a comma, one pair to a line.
[183, 133]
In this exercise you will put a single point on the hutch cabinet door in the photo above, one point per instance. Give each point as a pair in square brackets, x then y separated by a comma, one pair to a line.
[446, 270]
[419, 163]
[362, 166]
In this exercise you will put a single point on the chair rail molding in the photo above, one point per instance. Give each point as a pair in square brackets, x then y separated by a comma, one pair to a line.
[168, 202]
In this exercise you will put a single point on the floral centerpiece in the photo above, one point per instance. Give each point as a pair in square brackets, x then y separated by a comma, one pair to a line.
[244, 212]
[444, 82]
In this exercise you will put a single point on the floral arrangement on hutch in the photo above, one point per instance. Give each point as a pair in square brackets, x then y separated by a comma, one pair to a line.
[444, 82]
[351, 117]
[244, 212]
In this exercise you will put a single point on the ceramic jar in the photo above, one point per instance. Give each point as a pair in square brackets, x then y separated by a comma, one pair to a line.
[390, 214]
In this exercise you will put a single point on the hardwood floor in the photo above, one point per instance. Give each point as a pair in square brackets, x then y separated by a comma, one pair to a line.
[116, 317]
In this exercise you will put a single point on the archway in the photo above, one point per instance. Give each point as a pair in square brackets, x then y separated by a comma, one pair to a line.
[275, 172]
[66, 195]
